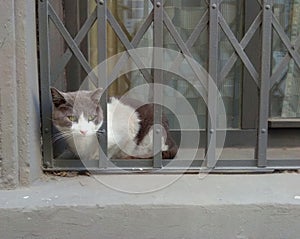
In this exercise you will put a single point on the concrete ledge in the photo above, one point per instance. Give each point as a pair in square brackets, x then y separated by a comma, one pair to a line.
[219, 206]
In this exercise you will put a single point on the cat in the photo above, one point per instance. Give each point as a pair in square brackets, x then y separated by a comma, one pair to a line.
[78, 117]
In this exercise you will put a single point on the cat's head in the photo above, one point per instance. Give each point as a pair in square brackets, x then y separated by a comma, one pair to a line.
[77, 112]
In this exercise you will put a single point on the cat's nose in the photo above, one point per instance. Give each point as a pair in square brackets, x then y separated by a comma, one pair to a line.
[83, 132]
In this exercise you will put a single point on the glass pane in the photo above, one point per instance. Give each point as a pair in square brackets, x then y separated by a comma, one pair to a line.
[231, 87]
[231, 95]
[232, 11]
[185, 15]
[130, 14]
[285, 96]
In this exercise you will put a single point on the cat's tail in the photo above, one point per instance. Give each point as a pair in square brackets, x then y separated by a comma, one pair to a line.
[172, 148]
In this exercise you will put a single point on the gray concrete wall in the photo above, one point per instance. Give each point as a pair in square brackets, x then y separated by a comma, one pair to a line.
[8, 94]
[154, 222]
[19, 103]
[218, 206]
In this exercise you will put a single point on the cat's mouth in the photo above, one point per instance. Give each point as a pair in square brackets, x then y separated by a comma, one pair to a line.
[83, 133]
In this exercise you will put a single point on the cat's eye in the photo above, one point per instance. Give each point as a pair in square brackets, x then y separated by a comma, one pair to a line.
[92, 117]
[72, 118]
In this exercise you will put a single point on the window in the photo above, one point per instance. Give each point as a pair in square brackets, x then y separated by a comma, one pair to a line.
[249, 48]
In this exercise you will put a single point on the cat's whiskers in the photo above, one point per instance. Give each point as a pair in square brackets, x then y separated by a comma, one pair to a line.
[50, 119]
[100, 132]
[61, 135]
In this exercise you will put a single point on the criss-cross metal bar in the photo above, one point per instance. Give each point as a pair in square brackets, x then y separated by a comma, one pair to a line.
[183, 47]
[291, 54]
[199, 28]
[244, 42]
[238, 48]
[286, 41]
[277, 75]
[71, 43]
[176, 36]
[63, 61]
[135, 41]
[127, 44]
[202, 24]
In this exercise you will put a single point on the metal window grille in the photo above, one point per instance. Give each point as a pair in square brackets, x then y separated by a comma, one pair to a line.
[260, 28]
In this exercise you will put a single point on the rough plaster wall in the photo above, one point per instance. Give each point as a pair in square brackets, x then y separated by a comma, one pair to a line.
[8, 85]
[0, 143]
[149, 222]
[19, 104]
[21, 84]
[28, 99]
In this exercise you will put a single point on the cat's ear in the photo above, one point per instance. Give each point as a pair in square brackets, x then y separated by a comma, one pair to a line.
[57, 97]
[96, 95]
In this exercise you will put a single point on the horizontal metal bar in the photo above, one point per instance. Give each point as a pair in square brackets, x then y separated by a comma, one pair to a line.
[222, 170]
[238, 170]
[284, 122]
[284, 163]
[222, 165]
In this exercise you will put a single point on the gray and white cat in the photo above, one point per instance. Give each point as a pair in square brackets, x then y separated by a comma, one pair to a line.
[78, 117]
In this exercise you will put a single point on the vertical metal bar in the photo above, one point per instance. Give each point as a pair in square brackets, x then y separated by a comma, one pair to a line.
[44, 50]
[212, 94]
[102, 76]
[262, 135]
[158, 75]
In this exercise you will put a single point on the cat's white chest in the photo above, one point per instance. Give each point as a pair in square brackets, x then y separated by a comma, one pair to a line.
[122, 127]
[87, 147]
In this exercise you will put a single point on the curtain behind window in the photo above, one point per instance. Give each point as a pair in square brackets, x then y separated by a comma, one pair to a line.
[291, 100]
